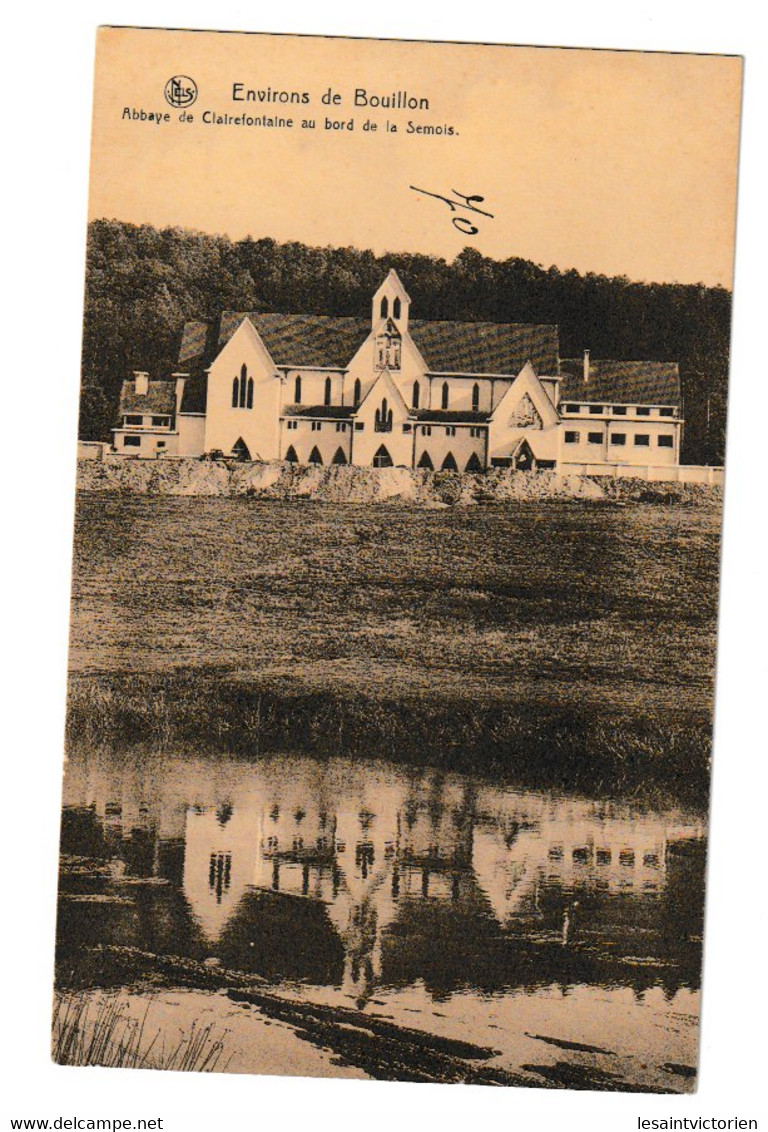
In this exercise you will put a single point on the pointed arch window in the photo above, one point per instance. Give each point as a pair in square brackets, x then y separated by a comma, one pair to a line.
[291, 456]
[444, 397]
[425, 461]
[297, 389]
[384, 308]
[449, 463]
[416, 394]
[383, 418]
[328, 390]
[242, 390]
[475, 397]
[357, 391]
[339, 457]
[382, 458]
[396, 308]
[315, 457]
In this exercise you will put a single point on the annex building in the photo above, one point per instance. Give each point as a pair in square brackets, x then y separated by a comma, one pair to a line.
[394, 390]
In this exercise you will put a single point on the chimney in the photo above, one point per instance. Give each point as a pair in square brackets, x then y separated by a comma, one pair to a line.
[141, 381]
[586, 367]
[179, 378]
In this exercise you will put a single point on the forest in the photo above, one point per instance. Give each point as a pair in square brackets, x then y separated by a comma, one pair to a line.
[143, 283]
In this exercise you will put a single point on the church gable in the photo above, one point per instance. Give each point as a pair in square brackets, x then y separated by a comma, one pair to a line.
[525, 404]
[524, 414]
[383, 405]
[245, 346]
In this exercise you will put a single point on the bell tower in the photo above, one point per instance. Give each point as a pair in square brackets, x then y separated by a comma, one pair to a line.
[390, 305]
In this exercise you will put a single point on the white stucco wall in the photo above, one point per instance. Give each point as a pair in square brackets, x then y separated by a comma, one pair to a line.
[630, 426]
[145, 443]
[367, 440]
[191, 427]
[327, 436]
[462, 444]
[259, 426]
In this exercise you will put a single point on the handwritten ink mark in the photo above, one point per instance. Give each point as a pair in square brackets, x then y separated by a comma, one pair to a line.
[462, 223]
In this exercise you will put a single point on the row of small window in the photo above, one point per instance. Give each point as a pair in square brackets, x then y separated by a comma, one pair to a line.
[136, 421]
[317, 426]
[641, 439]
[604, 856]
[618, 410]
[450, 430]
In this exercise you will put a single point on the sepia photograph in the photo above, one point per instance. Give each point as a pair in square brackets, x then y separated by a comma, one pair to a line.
[400, 467]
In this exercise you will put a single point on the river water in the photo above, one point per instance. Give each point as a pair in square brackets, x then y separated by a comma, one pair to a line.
[562, 932]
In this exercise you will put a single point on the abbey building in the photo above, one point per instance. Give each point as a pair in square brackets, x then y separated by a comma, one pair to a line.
[395, 390]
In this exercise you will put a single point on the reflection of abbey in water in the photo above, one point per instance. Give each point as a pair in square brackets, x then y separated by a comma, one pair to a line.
[346, 884]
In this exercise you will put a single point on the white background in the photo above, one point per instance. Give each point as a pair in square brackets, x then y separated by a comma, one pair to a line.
[45, 115]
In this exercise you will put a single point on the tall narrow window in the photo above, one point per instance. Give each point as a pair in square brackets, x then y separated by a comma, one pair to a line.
[249, 396]
[475, 397]
[235, 391]
[396, 309]
[383, 418]
[243, 381]
[416, 393]
[356, 394]
[327, 400]
[297, 389]
[384, 307]
[444, 401]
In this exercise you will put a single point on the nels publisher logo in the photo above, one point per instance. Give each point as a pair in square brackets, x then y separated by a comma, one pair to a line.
[180, 91]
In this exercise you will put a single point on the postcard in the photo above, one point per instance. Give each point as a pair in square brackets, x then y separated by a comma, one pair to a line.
[394, 603]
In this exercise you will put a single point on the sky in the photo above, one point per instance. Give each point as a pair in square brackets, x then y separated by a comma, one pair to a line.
[617, 162]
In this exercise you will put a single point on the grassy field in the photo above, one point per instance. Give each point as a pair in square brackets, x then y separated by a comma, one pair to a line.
[572, 642]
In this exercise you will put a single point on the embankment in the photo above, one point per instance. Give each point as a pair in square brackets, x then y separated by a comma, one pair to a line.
[420, 487]
[534, 743]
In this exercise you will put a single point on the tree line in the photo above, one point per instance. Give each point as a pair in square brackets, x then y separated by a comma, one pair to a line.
[143, 283]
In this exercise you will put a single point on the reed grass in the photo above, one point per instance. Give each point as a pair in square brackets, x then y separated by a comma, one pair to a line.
[532, 744]
[89, 1030]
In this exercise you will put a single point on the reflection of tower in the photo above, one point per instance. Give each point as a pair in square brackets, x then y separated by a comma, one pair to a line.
[222, 845]
[367, 841]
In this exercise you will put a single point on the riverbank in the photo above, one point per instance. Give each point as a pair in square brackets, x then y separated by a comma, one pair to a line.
[419, 487]
[533, 743]
[309, 1032]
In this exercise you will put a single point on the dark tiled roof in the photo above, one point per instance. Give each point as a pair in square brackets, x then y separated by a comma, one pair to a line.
[335, 412]
[328, 342]
[486, 347]
[450, 416]
[159, 398]
[303, 339]
[197, 340]
[631, 383]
